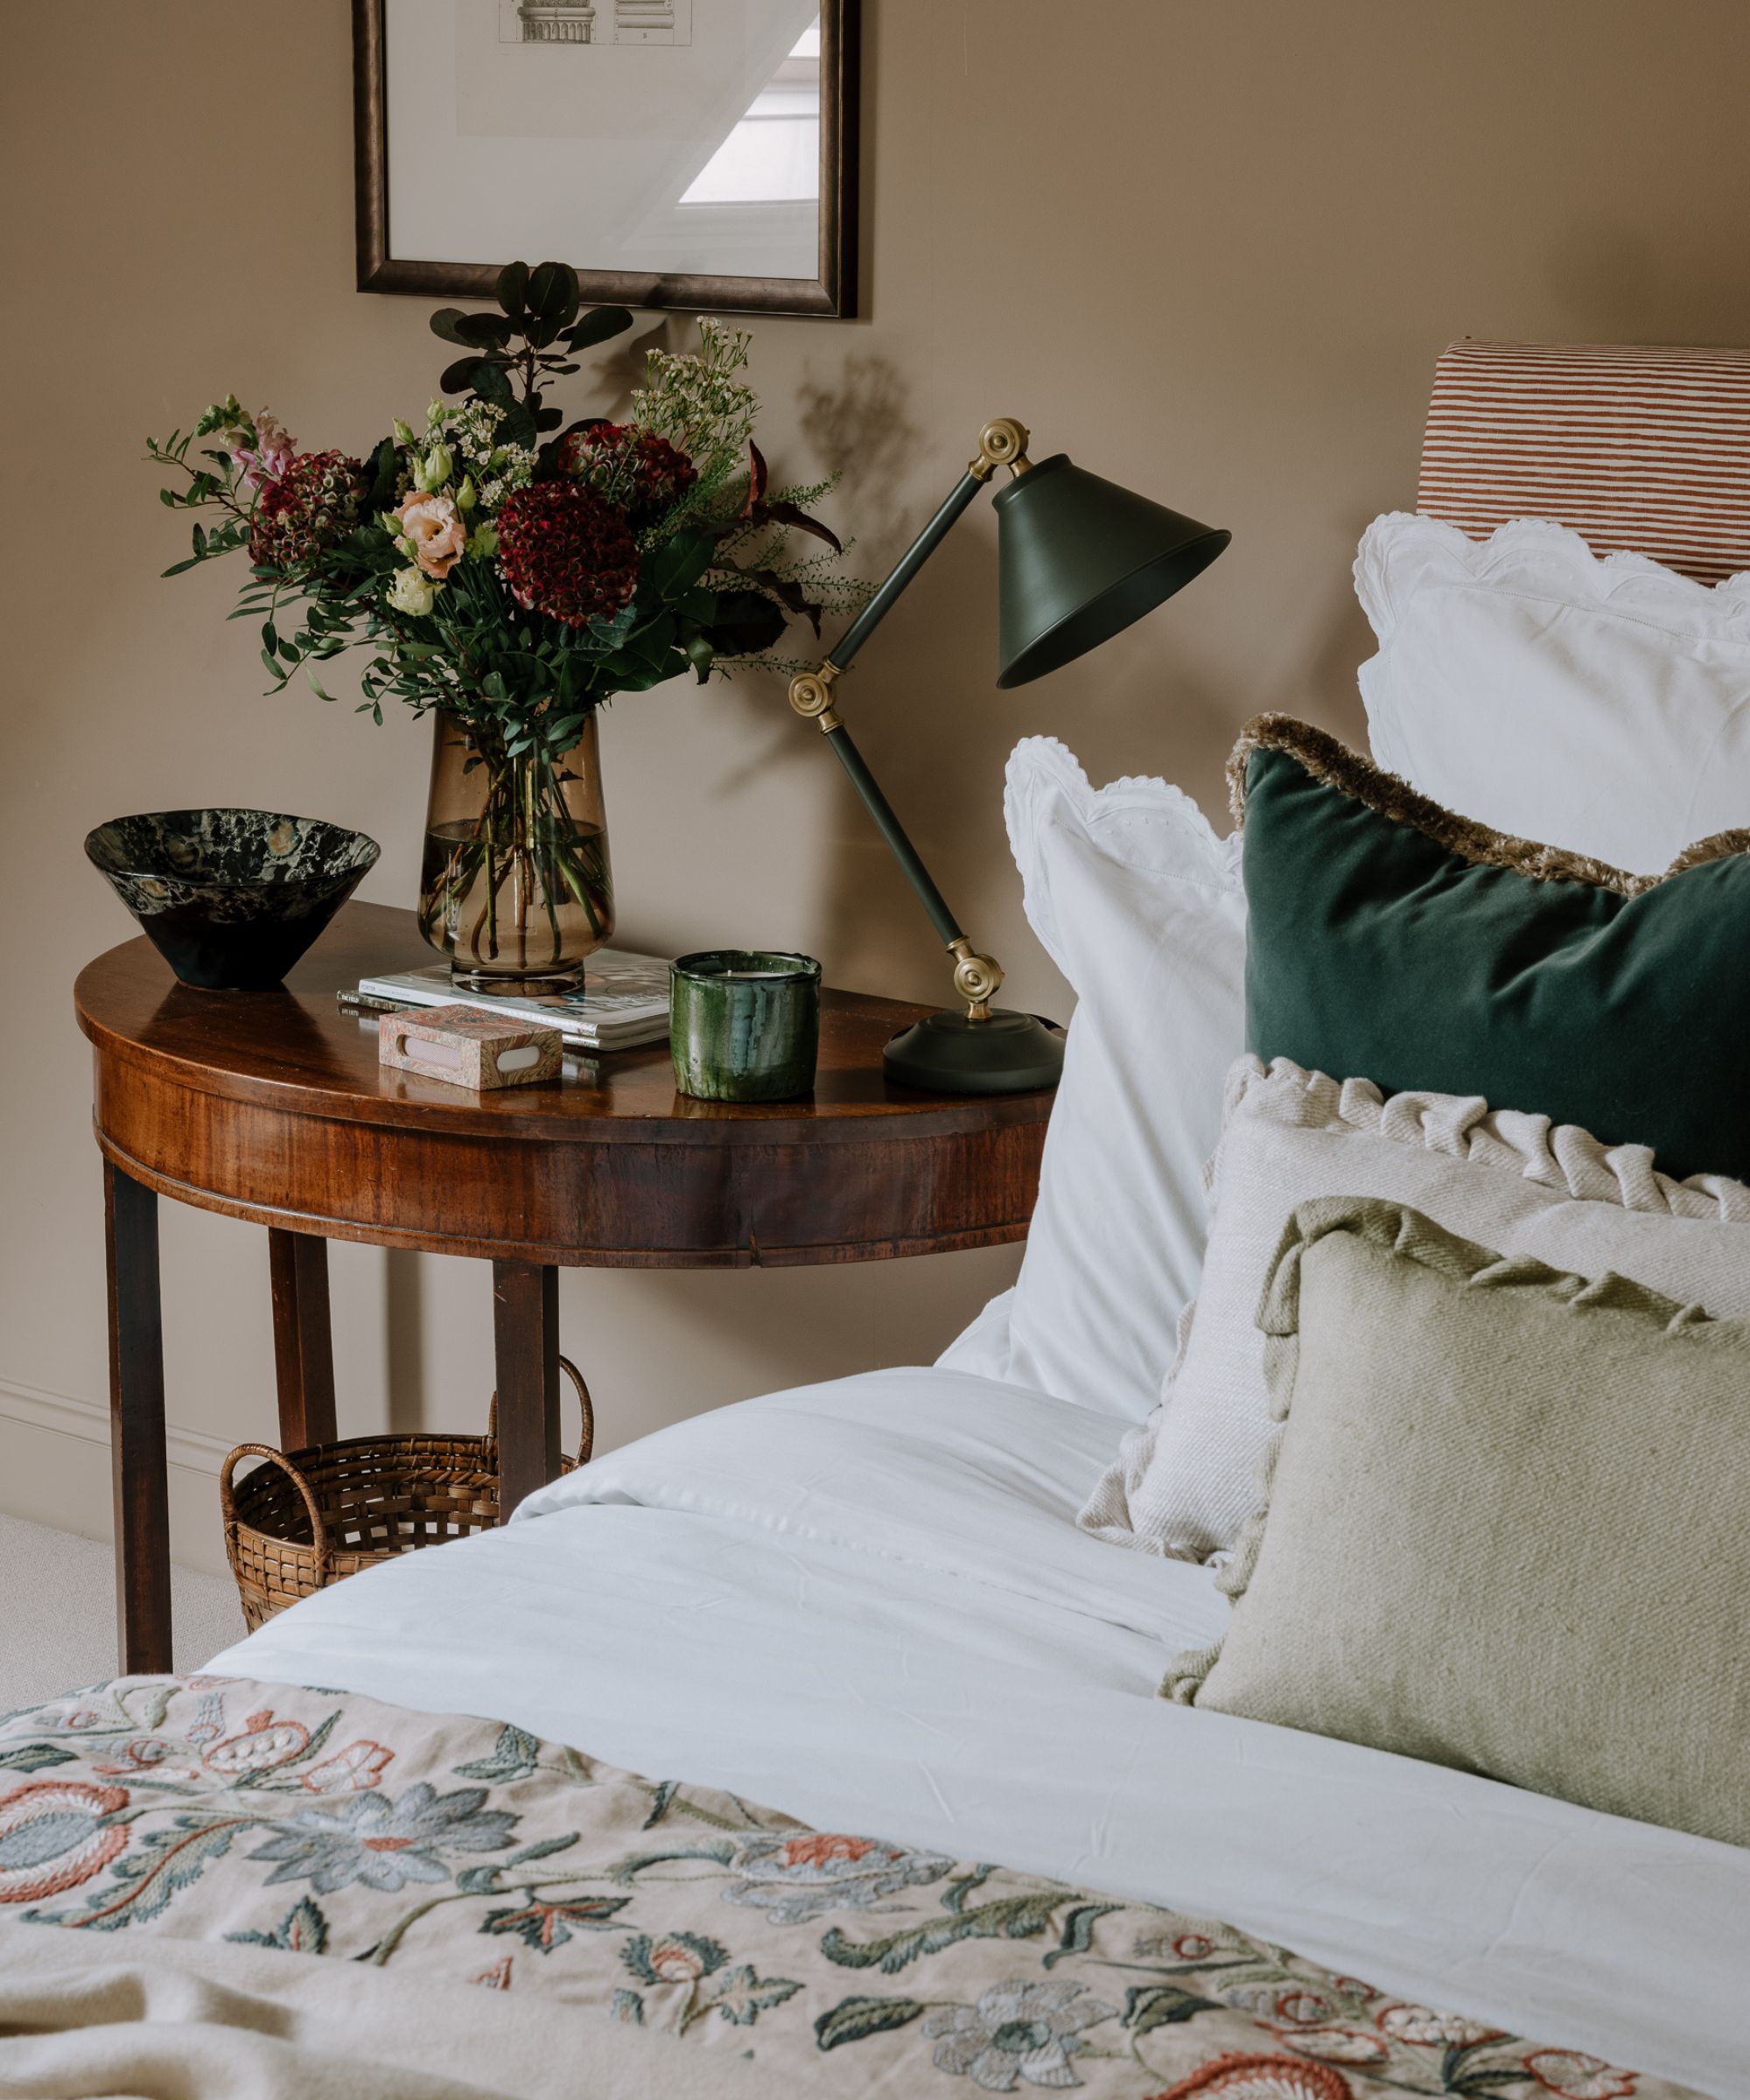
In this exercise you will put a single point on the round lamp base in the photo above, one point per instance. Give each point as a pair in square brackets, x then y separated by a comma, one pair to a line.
[947, 1053]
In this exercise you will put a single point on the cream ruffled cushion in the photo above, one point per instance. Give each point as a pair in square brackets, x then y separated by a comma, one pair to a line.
[1502, 1523]
[1186, 1480]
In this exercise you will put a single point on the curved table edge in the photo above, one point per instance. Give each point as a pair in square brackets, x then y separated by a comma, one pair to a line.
[821, 1255]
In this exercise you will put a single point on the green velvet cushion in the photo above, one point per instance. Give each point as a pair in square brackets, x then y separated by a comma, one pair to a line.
[1392, 941]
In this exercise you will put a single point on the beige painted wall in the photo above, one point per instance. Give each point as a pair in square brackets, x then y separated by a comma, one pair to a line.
[1210, 250]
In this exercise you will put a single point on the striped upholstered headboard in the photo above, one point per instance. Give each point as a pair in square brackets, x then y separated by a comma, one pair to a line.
[1643, 449]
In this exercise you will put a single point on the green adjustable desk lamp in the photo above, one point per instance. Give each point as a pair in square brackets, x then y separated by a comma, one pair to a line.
[1078, 559]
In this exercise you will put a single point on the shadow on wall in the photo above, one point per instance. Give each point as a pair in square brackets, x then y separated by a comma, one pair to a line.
[934, 727]
[861, 431]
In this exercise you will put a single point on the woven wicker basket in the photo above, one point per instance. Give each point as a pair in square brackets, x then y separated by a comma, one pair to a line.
[309, 1518]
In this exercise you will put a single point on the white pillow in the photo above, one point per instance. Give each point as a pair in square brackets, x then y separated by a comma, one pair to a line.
[1603, 705]
[1187, 1480]
[1139, 904]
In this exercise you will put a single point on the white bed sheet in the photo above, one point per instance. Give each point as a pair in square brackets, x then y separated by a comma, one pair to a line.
[868, 1604]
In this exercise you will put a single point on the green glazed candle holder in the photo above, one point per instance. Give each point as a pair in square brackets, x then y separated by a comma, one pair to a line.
[743, 1024]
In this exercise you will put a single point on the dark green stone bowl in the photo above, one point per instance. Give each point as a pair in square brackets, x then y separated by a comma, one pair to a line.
[743, 1024]
[230, 897]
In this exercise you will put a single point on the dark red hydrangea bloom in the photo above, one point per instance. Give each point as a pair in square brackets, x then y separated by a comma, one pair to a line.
[315, 502]
[638, 472]
[563, 550]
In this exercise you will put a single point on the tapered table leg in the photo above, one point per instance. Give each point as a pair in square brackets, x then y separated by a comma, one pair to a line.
[526, 1345]
[137, 1424]
[304, 1344]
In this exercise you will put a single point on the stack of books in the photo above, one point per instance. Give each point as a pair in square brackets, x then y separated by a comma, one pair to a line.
[622, 1002]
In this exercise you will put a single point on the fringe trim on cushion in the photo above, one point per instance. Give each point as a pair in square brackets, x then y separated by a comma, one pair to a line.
[1404, 1231]
[1336, 766]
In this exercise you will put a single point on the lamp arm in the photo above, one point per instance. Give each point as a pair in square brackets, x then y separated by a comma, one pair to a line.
[976, 977]
[888, 595]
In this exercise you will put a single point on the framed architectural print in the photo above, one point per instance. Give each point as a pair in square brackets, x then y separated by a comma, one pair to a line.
[699, 154]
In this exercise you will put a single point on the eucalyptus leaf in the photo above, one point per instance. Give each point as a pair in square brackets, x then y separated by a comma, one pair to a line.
[485, 330]
[459, 377]
[513, 284]
[492, 383]
[447, 322]
[552, 293]
[677, 566]
[597, 325]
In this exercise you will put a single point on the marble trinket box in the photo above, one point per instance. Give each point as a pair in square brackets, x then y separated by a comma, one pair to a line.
[466, 1047]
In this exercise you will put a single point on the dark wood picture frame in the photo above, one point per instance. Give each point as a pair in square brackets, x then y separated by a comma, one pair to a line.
[831, 295]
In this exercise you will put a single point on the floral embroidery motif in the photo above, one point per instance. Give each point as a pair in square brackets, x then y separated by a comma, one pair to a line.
[680, 1958]
[261, 1746]
[1261, 2078]
[1433, 2030]
[385, 1843]
[304, 1929]
[352, 1770]
[545, 1926]
[1017, 2031]
[688, 1912]
[797, 1879]
[1339, 2045]
[54, 1834]
[1574, 2076]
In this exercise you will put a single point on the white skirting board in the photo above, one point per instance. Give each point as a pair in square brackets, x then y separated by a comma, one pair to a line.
[54, 1469]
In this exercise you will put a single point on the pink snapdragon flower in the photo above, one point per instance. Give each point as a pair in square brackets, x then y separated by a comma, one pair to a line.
[273, 453]
[435, 530]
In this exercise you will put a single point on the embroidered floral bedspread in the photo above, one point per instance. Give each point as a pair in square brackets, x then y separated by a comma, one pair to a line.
[341, 1829]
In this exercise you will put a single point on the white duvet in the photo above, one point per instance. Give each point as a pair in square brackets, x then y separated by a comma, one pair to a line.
[868, 1604]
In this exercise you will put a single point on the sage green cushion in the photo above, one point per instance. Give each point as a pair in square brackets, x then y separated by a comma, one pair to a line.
[1506, 1523]
[1390, 940]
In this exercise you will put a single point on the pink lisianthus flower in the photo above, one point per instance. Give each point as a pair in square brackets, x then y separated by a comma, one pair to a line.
[273, 453]
[435, 530]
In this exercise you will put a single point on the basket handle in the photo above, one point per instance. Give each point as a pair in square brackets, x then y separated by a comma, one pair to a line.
[586, 1440]
[227, 1501]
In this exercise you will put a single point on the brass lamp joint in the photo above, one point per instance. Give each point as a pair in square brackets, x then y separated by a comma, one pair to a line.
[811, 695]
[1003, 441]
[977, 978]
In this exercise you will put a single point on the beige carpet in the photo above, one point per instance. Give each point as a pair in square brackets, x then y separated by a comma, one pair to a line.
[57, 1627]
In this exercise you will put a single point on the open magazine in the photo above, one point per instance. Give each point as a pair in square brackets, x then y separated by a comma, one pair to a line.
[622, 1002]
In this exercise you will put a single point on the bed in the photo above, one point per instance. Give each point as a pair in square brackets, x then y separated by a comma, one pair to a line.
[855, 1639]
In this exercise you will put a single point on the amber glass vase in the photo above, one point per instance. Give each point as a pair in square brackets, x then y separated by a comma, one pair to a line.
[516, 886]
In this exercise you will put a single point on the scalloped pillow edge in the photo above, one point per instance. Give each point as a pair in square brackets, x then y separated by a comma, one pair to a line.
[1540, 555]
[1042, 770]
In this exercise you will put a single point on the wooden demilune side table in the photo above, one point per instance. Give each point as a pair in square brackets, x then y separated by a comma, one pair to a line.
[272, 1107]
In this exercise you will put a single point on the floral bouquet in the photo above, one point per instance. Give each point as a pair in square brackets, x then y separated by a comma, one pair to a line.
[510, 570]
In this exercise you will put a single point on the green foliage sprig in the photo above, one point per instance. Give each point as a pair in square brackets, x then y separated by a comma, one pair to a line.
[400, 552]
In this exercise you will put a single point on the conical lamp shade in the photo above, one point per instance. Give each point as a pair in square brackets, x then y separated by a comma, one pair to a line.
[1079, 559]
